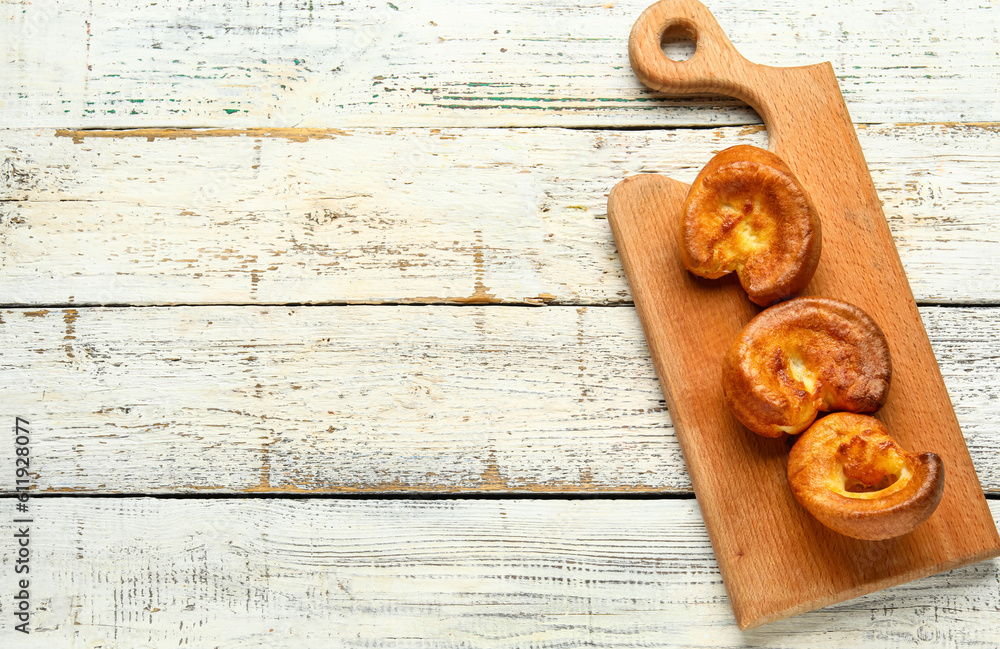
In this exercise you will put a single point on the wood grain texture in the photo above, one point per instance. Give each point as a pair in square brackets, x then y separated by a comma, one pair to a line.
[380, 399]
[775, 559]
[431, 63]
[130, 573]
[453, 215]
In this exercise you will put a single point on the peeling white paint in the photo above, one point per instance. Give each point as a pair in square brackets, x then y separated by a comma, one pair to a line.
[380, 398]
[423, 215]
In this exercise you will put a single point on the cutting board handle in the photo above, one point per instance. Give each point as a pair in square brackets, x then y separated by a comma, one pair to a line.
[715, 67]
[801, 106]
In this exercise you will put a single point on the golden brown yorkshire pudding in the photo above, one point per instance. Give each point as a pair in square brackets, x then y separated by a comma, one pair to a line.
[803, 356]
[854, 478]
[746, 212]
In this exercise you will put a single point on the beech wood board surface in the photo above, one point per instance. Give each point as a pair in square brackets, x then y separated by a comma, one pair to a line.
[775, 558]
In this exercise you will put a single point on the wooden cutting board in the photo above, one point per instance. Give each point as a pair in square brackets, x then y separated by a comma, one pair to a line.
[776, 560]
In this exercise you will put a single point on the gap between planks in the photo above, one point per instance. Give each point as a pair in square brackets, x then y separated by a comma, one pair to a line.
[388, 495]
[78, 135]
[377, 495]
[413, 303]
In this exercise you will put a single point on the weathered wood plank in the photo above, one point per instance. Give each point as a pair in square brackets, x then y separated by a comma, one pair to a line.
[434, 63]
[417, 215]
[127, 573]
[380, 399]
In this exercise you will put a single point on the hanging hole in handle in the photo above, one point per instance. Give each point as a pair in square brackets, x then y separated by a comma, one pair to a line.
[679, 40]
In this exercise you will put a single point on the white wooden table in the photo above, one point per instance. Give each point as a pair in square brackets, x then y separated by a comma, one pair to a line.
[316, 319]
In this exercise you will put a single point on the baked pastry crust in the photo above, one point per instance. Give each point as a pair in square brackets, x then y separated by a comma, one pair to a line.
[746, 212]
[801, 357]
[849, 473]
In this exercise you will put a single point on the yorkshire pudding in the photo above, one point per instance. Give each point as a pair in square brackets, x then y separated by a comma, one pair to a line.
[854, 478]
[803, 356]
[746, 212]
